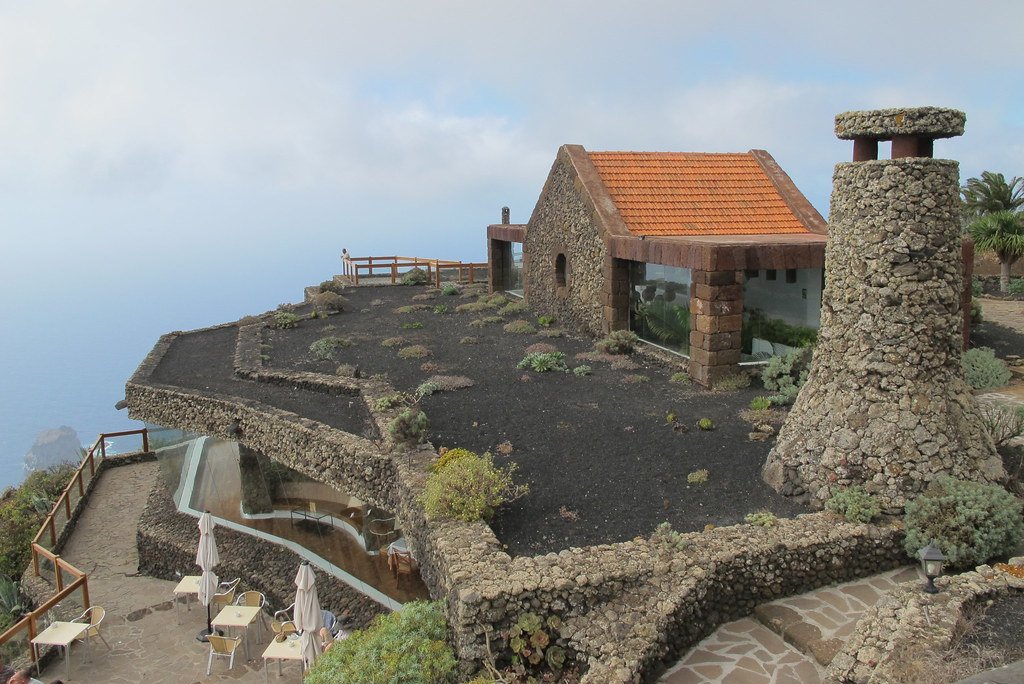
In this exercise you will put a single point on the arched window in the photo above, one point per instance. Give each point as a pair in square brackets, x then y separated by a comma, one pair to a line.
[560, 279]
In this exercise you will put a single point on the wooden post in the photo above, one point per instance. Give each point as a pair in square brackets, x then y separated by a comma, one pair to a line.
[92, 461]
[394, 272]
[471, 274]
[67, 506]
[437, 274]
[85, 591]
[56, 574]
[53, 530]
[145, 443]
[35, 560]
[81, 487]
[103, 446]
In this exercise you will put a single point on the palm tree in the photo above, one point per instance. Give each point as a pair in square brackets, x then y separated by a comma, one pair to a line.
[991, 193]
[1003, 233]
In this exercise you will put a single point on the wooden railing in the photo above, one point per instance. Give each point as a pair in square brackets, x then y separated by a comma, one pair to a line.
[395, 266]
[28, 626]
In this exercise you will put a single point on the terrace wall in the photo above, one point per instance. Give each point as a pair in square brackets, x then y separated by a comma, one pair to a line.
[624, 607]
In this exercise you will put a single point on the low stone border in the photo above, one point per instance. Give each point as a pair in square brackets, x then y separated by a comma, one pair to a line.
[626, 607]
[907, 622]
[166, 540]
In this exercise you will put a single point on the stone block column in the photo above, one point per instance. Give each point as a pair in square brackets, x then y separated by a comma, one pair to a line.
[885, 405]
[615, 294]
[716, 318]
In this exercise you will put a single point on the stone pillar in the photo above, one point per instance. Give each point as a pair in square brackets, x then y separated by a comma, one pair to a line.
[885, 405]
[716, 318]
[615, 294]
[499, 261]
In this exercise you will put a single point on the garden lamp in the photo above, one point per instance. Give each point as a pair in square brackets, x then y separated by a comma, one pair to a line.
[931, 562]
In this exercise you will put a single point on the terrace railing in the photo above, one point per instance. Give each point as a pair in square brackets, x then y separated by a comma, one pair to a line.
[463, 272]
[68, 581]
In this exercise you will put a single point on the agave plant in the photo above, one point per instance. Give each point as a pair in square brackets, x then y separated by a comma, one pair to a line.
[12, 600]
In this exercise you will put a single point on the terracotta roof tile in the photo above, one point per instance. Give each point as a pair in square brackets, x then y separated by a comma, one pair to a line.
[691, 193]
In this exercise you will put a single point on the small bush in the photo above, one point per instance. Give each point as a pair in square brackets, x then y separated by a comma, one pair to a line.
[485, 321]
[415, 276]
[387, 403]
[969, 521]
[705, 424]
[667, 538]
[635, 379]
[617, 342]
[325, 347]
[580, 371]
[542, 347]
[426, 389]
[855, 504]
[392, 342]
[1002, 423]
[415, 325]
[284, 320]
[441, 309]
[450, 383]
[542, 362]
[416, 351]
[450, 290]
[983, 370]
[682, 377]
[332, 286]
[513, 308]
[409, 426]
[545, 321]
[698, 476]
[520, 327]
[551, 332]
[468, 340]
[733, 382]
[408, 646]
[1016, 286]
[786, 374]
[760, 403]
[495, 301]
[761, 518]
[450, 456]
[470, 488]
[472, 307]
[977, 289]
[976, 315]
[329, 301]
[410, 308]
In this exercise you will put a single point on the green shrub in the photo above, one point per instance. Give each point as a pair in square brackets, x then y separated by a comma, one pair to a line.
[976, 314]
[472, 307]
[542, 362]
[855, 504]
[450, 383]
[1002, 422]
[21, 515]
[681, 377]
[415, 276]
[983, 370]
[732, 382]
[485, 321]
[468, 340]
[665, 537]
[706, 424]
[552, 332]
[513, 308]
[325, 347]
[545, 321]
[1017, 286]
[408, 646]
[969, 521]
[329, 301]
[760, 403]
[617, 342]
[285, 319]
[976, 287]
[410, 308]
[536, 654]
[698, 476]
[520, 327]
[387, 403]
[450, 290]
[415, 325]
[469, 488]
[635, 379]
[450, 456]
[416, 351]
[786, 374]
[761, 518]
[426, 389]
[441, 309]
[332, 286]
[580, 371]
[409, 426]
[392, 342]
[494, 301]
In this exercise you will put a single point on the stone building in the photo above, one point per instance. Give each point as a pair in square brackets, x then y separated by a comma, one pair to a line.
[717, 257]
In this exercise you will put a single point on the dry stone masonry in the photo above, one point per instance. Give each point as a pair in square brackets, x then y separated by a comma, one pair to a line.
[886, 405]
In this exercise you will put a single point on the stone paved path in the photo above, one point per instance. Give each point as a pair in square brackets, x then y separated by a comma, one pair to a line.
[1007, 313]
[788, 641]
[150, 641]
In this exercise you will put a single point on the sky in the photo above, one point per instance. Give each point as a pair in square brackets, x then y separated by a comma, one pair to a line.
[171, 165]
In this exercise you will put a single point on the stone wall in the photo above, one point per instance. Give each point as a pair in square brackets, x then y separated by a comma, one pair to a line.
[907, 626]
[562, 223]
[885, 404]
[625, 607]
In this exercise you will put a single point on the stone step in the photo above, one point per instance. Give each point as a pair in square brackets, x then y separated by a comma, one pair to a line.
[819, 622]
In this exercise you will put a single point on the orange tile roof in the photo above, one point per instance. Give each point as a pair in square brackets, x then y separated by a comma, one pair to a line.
[694, 193]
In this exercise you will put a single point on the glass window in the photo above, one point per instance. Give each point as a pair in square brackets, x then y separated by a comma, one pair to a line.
[515, 281]
[780, 315]
[659, 308]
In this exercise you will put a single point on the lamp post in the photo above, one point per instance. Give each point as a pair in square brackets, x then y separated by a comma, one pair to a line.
[931, 562]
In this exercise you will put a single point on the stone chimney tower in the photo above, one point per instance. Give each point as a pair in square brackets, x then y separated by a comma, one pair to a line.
[886, 405]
